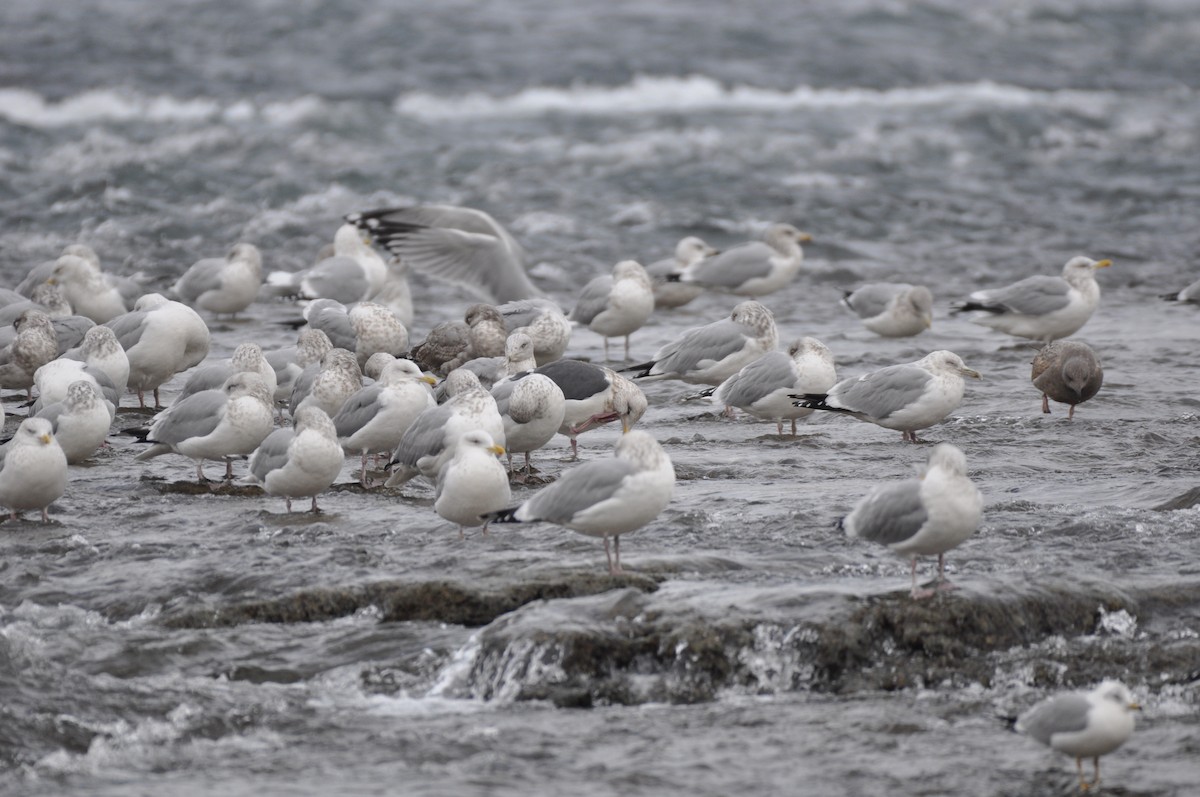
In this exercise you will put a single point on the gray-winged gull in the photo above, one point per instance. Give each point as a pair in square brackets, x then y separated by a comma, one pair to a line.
[80, 421]
[1083, 724]
[33, 470]
[460, 244]
[1068, 372]
[923, 516]
[754, 268]
[86, 288]
[676, 294]
[543, 321]
[1041, 307]
[906, 397]
[100, 349]
[765, 386]
[214, 424]
[594, 395]
[712, 353]
[472, 483]
[223, 284]
[246, 357]
[605, 497]
[374, 420]
[617, 304]
[289, 362]
[531, 405]
[161, 338]
[354, 272]
[892, 309]
[300, 462]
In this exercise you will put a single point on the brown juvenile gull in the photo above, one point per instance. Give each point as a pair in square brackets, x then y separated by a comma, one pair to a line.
[34, 346]
[923, 516]
[764, 387]
[223, 284]
[616, 304]
[594, 395]
[605, 497]
[892, 309]
[33, 469]
[1068, 372]
[676, 294]
[301, 461]
[216, 424]
[472, 483]
[1083, 724]
[463, 245]
[755, 268]
[712, 353]
[1041, 307]
[906, 397]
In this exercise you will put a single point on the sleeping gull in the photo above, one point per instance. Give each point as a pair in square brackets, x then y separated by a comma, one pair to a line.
[1041, 307]
[892, 309]
[354, 272]
[299, 462]
[472, 483]
[80, 421]
[328, 384]
[923, 516]
[54, 379]
[676, 294]
[161, 338]
[34, 346]
[755, 268]
[214, 424]
[86, 288]
[543, 321]
[33, 469]
[617, 304]
[463, 245]
[605, 497]
[903, 397]
[223, 284]
[430, 440]
[594, 395]
[764, 387]
[1083, 724]
[101, 350]
[712, 353]
[374, 420]
[1068, 372]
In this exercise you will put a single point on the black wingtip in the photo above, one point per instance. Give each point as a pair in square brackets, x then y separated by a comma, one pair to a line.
[639, 370]
[811, 401]
[673, 278]
[503, 516]
[963, 307]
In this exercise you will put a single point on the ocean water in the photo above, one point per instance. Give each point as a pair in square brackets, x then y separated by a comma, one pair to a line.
[153, 640]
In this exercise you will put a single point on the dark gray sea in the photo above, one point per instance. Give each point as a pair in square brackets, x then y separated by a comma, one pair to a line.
[155, 640]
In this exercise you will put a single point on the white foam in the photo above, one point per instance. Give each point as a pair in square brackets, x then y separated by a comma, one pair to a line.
[29, 108]
[649, 94]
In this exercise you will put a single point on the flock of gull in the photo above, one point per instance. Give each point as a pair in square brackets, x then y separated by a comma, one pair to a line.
[498, 384]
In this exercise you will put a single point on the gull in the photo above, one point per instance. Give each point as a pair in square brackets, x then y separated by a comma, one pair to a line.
[712, 353]
[892, 309]
[33, 469]
[518, 357]
[594, 395]
[161, 338]
[605, 497]
[300, 462]
[755, 268]
[214, 424]
[923, 516]
[531, 405]
[86, 289]
[689, 250]
[354, 272]
[374, 420]
[247, 357]
[1041, 307]
[1068, 372]
[764, 387]
[34, 346]
[617, 304]
[903, 397]
[459, 244]
[543, 321]
[46, 297]
[472, 483]
[54, 379]
[430, 440]
[1083, 724]
[80, 421]
[290, 361]
[223, 285]
[377, 329]
[101, 350]
[328, 384]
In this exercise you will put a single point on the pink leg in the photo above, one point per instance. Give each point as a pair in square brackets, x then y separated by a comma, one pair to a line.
[1071, 414]
[316, 510]
[362, 475]
[608, 555]
[793, 427]
[627, 347]
[917, 592]
[943, 584]
[289, 504]
[45, 515]
[1045, 404]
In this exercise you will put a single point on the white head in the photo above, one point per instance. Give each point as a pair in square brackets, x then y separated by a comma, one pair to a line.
[247, 253]
[947, 362]
[630, 270]
[1080, 267]
[34, 432]
[312, 417]
[948, 458]
[477, 438]
[785, 237]
[692, 250]
[640, 448]
[1116, 692]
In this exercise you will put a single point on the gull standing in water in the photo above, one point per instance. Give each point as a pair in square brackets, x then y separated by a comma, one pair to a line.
[923, 516]
[223, 285]
[374, 420]
[605, 497]
[669, 293]
[1068, 372]
[906, 398]
[892, 309]
[594, 395]
[755, 268]
[1041, 307]
[472, 483]
[33, 469]
[300, 462]
[710, 354]
[617, 304]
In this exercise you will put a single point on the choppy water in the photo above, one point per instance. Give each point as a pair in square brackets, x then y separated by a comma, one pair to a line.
[158, 641]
